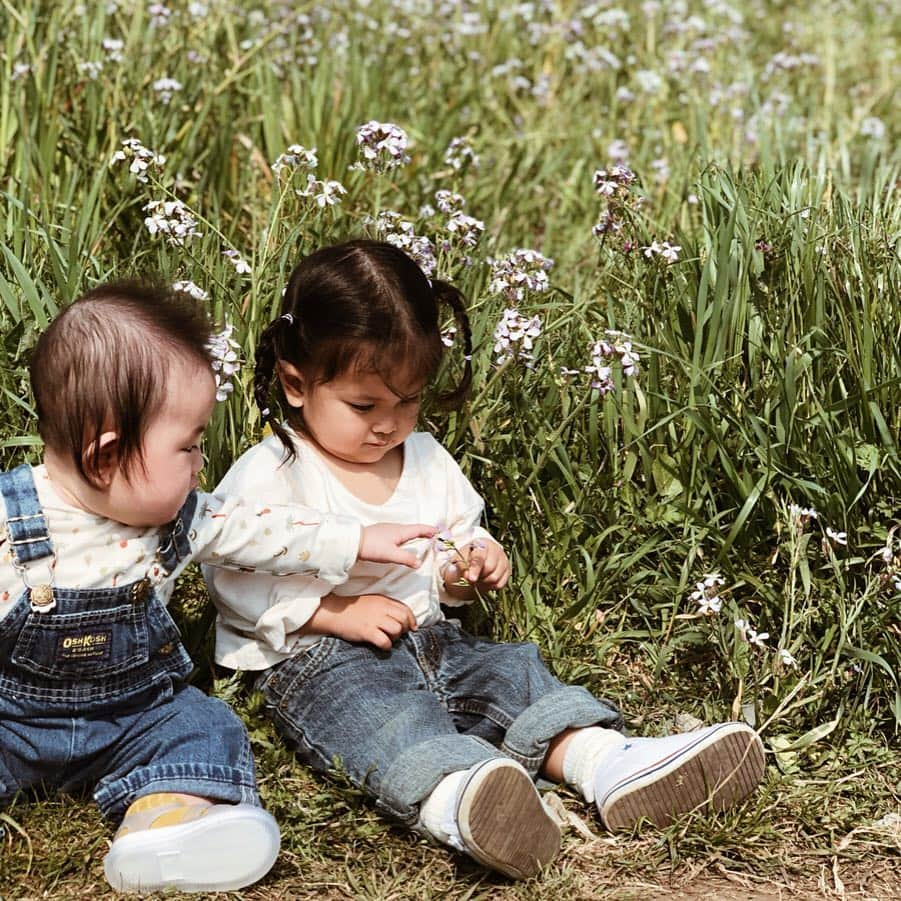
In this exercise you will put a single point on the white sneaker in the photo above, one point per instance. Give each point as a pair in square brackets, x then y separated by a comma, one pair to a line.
[658, 779]
[502, 820]
[229, 847]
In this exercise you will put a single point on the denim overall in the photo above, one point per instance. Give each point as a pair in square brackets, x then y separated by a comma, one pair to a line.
[92, 681]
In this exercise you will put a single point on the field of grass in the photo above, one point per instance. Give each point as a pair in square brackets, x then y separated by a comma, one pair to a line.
[693, 208]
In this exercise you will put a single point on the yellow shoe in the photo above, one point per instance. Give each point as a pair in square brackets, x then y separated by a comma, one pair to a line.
[191, 847]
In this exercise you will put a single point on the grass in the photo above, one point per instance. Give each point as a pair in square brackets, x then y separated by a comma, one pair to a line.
[765, 145]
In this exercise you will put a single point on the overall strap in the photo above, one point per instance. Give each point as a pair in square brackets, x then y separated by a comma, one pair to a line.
[174, 543]
[26, 526]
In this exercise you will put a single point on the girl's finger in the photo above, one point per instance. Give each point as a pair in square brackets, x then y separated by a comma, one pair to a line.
[403, 616]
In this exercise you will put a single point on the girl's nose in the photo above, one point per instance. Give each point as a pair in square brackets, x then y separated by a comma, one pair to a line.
[385, 427]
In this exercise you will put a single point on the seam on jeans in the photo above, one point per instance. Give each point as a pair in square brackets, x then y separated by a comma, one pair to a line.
[425, 668]
[293, 732]
[312, 659]
[481, 708]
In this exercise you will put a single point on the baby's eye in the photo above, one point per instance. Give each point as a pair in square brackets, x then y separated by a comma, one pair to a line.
[407, 401]
[362, 408]
[191, 449]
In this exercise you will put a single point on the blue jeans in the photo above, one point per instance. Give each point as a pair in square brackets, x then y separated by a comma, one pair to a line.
[439, 701]
[92, 683]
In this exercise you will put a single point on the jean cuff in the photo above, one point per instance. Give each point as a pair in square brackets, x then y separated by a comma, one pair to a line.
[570, 707]
[215, 782]
[415, 773]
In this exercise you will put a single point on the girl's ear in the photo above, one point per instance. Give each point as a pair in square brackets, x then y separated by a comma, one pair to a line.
[292, 383]
[107, 461]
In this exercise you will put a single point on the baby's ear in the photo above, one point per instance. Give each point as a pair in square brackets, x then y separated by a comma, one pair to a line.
[292, 382]
[101, 459]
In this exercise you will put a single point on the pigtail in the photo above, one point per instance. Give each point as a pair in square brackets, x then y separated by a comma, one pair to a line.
[266, 356]
[447, 293]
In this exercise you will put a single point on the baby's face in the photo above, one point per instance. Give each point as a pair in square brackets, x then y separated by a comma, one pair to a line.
[153, 494]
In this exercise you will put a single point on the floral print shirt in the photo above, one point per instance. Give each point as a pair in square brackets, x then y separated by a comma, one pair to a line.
[250, 535]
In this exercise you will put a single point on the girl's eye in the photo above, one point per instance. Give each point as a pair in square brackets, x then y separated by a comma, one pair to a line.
[191, 449]
[362, 408]
[410, 400]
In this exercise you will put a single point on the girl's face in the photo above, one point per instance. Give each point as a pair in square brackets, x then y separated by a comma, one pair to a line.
[355, 417]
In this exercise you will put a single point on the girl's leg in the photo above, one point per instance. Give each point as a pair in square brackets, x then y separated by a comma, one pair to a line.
[568, 735]
[383, 715]
[657, 779]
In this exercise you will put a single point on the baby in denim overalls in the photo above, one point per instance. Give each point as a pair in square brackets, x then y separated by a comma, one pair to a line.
[92, 669]
[446, 731]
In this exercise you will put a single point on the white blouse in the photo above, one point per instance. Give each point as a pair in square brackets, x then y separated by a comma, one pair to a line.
[259, 617]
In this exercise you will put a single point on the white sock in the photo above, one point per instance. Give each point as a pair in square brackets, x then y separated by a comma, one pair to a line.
[437, 813]
[584, 753]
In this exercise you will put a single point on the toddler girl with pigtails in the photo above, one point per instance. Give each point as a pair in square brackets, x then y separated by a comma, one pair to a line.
[445, 731]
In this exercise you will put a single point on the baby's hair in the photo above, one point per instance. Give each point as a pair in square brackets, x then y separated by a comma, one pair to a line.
[101, 367]
[360, 306]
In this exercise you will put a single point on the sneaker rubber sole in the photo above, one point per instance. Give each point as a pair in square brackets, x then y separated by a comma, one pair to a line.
[721, 769]
[228, 848]
[503, 821]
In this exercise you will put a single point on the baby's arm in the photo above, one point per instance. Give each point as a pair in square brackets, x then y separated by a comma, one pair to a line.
[288, 540]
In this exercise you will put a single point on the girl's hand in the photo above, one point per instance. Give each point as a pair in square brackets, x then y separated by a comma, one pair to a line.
[372, 618]
[381, 543]
[486, 568]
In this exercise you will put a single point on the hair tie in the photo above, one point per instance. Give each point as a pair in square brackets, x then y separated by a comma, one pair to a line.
[288, 317]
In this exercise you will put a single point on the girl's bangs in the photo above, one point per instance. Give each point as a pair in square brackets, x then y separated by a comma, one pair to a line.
[408, 359]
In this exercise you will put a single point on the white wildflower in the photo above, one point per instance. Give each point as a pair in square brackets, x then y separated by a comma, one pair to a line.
[326, 192]
[188, 287]
[873, 127]
[224, 352]
[786, 658]
[166, 88]
[669, 252]
[296, 157]
[751, 635]
[514, 336]
[836, 537]
[449, 202]
[173, 220]
[113, 48]
[242, 267]
[159, 14]
[466, 229]
[519, 272]
[141, 158]
[382, 146]
[460, 154]
[802, 515]
[91, 69]
[706, 594]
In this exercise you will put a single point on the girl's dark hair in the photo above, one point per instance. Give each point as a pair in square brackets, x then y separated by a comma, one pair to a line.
[365, 306]
[101, 366]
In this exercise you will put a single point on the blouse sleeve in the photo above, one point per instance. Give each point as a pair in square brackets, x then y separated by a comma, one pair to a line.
[254, 600]
[247, 535]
